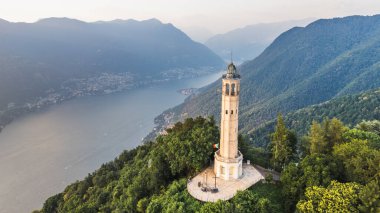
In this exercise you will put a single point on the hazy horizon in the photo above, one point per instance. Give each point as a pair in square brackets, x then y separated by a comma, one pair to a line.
[196, 18]
[199, 34]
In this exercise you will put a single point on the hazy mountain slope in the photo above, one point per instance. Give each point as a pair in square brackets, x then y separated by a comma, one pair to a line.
[303, 66]
[39, 56]
[351, 109]
[248, 42]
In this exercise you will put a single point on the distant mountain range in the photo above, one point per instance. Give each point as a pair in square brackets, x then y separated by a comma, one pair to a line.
[248, 42]
[41, 56]
[303, 66]
[199, 34]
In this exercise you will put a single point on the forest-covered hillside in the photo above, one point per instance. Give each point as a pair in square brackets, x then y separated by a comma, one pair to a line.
[303, 66]
[152, 178]
[334, 169]
[351, 109]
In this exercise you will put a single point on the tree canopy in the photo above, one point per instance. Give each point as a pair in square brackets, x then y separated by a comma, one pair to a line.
[282, 145]
[339, 170]
[343, 175]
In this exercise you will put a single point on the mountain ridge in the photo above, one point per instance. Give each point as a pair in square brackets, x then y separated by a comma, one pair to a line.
[249, 41]
[41, 56]
[350, 109]
[303, 66]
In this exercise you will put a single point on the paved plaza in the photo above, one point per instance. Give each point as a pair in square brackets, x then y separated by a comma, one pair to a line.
[226, 189]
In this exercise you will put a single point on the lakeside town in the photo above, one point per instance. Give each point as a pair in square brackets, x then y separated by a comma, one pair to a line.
[103, 84]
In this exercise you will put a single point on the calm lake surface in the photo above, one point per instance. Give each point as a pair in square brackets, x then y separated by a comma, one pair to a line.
[41, 153]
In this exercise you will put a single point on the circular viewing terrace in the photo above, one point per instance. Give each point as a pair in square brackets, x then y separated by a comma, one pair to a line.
[202, 187]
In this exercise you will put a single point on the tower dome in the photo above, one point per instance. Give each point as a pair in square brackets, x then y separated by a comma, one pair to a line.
[231, 69]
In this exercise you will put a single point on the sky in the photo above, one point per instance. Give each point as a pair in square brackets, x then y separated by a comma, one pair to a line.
[193, 16]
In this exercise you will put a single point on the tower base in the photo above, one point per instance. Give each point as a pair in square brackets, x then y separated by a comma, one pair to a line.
[228, 168]
[227, 189]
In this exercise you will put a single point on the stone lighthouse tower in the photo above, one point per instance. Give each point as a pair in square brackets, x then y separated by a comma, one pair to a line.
[228, 159]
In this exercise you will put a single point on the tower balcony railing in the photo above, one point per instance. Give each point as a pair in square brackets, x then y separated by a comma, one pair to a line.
[229, 76]
[228, 160]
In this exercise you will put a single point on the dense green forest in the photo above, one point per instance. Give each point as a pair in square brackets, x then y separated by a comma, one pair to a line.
[128, 183]
[303, 66]
[351, 109]
[335, 169]
[331, 168]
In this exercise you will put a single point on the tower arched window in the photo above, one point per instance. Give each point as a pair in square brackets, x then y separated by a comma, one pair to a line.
[233, 89]
[227, 89]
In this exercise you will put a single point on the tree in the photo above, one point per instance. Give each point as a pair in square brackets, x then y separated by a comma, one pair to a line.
[337, 197]
[323, 137]
[370, 196]
[243, 202]
[361, 162]
[370, 126]
[217, 207]
[292, 141]
[249, 202]
[188, 146]
[372, 138]
[319, 170]
[282, 144]
[269, 178]
[317, 141]
[304, 146]
[292, 186]
[257, 155]
[335, 132]
[142, 205]
[51, 204]
[174, 199]
[314, 170]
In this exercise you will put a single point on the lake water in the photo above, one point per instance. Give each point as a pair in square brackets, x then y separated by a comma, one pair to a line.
[41, 153]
